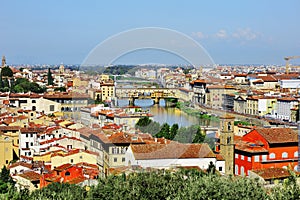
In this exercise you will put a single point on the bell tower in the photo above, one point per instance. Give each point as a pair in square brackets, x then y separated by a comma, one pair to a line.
[227, 142]
[3, 61]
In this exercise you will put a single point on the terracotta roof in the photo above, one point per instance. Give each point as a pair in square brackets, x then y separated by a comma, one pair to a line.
[172, 150]
[63, 167]
[249, 147]
[287, 99]
[30, 175]
[9, 128]
[272, 173]
[220, 87]
[32, 130]
[121, 138]
[278, 135]
[24, 164]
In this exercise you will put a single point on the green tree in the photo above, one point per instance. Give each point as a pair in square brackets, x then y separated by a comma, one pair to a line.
[50, 78]
[211, 168]
[61, 89]
[144, 121]
[7, 72]
[198, 137]
[173, 131]
[164, 131]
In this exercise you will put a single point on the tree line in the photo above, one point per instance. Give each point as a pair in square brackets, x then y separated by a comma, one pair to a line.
[9, 84]
[191, 134]
[180, 185]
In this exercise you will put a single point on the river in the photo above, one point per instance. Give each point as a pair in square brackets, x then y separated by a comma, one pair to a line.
[168, 115]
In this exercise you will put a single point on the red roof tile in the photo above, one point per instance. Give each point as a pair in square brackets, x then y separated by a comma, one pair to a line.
[172, 150]
[278, 135]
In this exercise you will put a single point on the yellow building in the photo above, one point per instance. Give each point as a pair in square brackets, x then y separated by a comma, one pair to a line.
[108, 90]
[104, 77]
[74, 157]
[77, 82]
[12, 132]
[6, 150]
[252, 105]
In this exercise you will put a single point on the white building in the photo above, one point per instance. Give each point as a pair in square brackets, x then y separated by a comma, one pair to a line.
[284, 106]
[174, 154]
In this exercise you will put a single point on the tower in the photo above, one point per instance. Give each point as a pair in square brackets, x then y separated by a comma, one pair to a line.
[227, 142]
[61, 69]
[3, 61]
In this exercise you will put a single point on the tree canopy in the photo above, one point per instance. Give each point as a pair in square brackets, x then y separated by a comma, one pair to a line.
[7, 72]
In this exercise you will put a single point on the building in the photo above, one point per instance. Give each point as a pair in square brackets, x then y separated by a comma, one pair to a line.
[71, 103]
[6, 150]
[226, 145]
[215, 95]
[271, 176]
[285, 105]
[264, 148]
[74, 157]
[108, 90]
[174, 154]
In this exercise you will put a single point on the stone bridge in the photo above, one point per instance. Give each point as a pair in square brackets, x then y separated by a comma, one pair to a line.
[168, 94]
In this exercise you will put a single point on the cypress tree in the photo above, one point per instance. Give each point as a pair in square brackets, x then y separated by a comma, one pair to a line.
[50, 79]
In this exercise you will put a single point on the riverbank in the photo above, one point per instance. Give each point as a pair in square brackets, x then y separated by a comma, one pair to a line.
[188, 109]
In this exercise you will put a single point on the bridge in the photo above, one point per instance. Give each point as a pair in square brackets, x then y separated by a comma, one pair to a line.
[168, 94]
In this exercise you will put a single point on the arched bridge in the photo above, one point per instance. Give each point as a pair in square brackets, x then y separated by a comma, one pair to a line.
[169, 94]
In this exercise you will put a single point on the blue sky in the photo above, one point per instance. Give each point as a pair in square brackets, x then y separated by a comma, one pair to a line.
[237, 32]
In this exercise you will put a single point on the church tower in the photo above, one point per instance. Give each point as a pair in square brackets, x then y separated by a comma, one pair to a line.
[227, 142]
[61, 69]
[3, 61]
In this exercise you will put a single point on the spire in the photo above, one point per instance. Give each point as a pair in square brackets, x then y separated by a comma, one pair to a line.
[3, 61]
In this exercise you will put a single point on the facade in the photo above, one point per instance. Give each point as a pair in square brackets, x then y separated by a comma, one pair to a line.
[108, 90]
[264, 148]
[240, 104]
[226, 147]
[215, 95]
[166, 156]
[285, 106]
[71, 103]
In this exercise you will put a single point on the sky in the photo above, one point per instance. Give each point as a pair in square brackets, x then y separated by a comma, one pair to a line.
[232, 32]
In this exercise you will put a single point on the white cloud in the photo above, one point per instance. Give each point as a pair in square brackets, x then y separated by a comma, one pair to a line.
[221, 34]
[245, 34]
[198, 34]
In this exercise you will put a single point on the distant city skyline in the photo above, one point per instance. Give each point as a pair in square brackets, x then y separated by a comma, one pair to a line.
[252, 32]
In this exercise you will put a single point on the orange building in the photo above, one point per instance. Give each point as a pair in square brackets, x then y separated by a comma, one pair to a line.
[264, 148]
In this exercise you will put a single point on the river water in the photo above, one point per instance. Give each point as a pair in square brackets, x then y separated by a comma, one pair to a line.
[168, 115]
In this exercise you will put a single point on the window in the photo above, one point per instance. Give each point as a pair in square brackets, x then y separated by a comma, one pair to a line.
[296, 154]
[284, 155]
[249, 159]
[296, 168]
[236, 155]
[6, 161]
[51, 108]
[242, 171]
[236, 170]
[31, 143]
[220, 169]
[264, 157]
[27, 144]
[115, 159]
[80, 157]
[71, 161]
[67, 173]
[26, 134]
[242, 157]
[256, 158]
[272, 156]
[123, 159]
